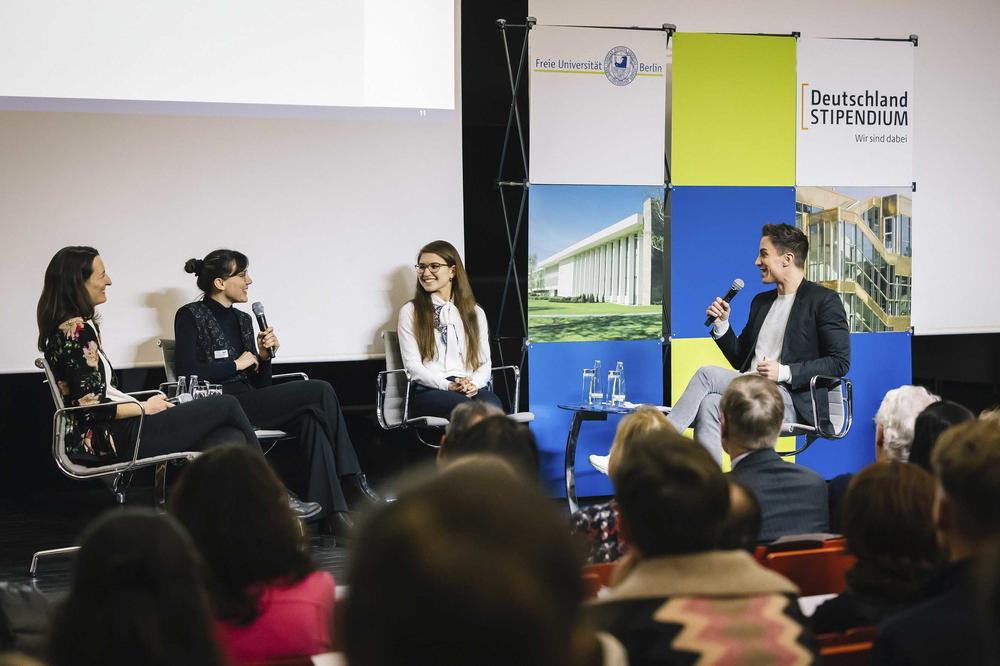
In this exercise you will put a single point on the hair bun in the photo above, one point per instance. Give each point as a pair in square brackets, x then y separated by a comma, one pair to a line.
[193, 266]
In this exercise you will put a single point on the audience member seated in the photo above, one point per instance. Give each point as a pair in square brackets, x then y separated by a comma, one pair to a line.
[496, 435]
[469, 567]
[894, 423]
[268, 597]
[792, 497]
[464, 416]
[988, 584]
[673, 500]
[888, 525]
[945, 629]
[741, 529]
[934, 420]
[137, 597]
[599, 522]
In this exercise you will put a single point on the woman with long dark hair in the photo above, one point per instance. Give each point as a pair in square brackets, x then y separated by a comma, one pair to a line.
[216, 342]
[137, 597]
[443, 335]
[76, 281]
[268, 597]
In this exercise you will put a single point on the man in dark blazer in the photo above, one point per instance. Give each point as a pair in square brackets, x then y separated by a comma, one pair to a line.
[796, 331]
[792, 497]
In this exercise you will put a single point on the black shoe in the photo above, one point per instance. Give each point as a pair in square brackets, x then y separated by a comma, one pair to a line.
[340, 524]
[303, 510]
[364, 491]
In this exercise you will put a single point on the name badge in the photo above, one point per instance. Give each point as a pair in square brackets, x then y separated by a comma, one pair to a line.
[221, 353]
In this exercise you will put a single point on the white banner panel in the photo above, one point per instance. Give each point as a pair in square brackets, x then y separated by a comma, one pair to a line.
[854, 113]
[597, 100]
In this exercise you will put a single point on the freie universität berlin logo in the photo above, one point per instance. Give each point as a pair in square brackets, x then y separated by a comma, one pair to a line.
[621, 65]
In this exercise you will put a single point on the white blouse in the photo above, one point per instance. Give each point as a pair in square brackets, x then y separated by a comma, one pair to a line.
[450, 347]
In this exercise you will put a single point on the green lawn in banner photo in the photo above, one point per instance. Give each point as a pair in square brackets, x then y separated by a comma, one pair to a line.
[550, 321]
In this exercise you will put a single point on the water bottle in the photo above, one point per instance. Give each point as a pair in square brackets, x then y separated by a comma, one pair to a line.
[618, 392]
[596, 391]
[181, 386]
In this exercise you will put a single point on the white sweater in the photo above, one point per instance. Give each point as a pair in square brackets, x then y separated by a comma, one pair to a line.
[450, 347]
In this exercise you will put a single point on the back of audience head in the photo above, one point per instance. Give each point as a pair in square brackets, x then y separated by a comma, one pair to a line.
[236, 510]
[886, 518]
[644, 419]
[467, 414]
[741, 529]
[137, 597]
[895, 418]
[934, 420]
[495, 435]
[751, 414]
[966, 462]
[672, 496]
[469, 567]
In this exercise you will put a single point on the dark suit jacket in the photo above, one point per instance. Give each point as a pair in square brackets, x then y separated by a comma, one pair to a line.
[817, 341]
[942, 630]
[792, 497]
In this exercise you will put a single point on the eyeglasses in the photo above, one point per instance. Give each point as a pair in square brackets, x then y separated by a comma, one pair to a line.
[434, 268]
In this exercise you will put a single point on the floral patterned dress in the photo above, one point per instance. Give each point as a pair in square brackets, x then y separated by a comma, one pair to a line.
[74, 354]
[600, 527]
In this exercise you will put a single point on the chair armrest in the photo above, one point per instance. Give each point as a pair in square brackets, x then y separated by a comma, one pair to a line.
[515, 405]
[291, 375]
[832, 383]
[62, 411]
[150, 393]
[380, 382]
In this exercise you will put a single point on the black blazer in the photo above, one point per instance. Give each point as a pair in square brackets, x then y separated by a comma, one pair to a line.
[792, 497]
[817, 341]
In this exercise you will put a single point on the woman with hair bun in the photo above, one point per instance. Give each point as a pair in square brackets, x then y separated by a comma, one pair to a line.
[76, 282]
[216, 342]
[443, 336]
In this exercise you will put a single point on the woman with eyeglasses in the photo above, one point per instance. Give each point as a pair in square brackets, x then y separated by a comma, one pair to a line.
[215, 341]
[443, 336]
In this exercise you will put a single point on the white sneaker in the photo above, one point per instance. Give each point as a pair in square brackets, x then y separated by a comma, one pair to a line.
[600, 463]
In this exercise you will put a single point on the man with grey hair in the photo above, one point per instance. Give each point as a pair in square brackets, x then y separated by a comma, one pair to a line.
[895, 418]
[792, 497]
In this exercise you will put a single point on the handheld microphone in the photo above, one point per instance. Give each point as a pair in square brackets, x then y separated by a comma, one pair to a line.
[733, 290]
[258, 310]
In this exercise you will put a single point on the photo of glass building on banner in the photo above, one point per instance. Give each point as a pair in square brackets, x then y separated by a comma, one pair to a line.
[606, 286]
[860, 245]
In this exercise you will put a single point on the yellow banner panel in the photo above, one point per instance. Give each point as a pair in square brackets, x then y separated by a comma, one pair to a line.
[733, 110]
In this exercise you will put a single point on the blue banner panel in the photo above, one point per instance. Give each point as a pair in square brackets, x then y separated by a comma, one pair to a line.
[556, 378]
[879, 362]
[715, 236]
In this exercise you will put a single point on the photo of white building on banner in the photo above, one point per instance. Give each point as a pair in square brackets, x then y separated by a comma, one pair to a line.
[613, 265]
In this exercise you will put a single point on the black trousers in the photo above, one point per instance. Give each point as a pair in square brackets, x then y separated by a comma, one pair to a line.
[426, 401]
[193, 426]
[309, 410]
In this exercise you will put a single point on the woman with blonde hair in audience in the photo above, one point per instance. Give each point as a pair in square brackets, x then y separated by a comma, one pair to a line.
[599, 522]
[137, 597]
[267, 595]
[888, 524]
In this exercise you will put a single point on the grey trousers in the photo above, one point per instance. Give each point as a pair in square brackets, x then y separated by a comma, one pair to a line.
[699, 404]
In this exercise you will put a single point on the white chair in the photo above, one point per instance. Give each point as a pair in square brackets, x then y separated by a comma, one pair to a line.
[117, 474]
[837, 395]
[394, 385]
[168, 350]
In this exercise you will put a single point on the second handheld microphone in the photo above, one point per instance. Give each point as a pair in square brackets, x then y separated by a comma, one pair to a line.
[733, 290]
[258, 310]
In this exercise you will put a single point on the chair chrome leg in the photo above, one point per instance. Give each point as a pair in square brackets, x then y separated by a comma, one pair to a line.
[160, 487]
[47, 553]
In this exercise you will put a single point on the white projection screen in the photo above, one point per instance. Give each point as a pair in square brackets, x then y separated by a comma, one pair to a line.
[322, 139]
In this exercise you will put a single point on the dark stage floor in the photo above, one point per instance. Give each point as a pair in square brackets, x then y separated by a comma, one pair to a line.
[57, 519]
